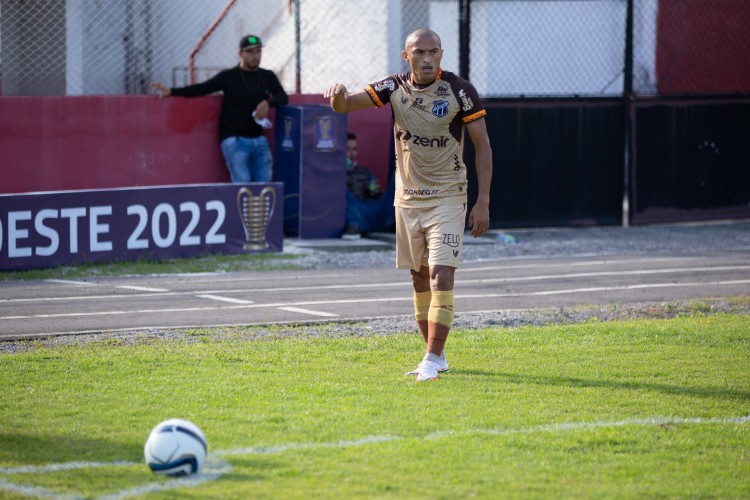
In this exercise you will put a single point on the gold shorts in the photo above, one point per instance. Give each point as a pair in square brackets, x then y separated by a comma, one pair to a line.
[429, 236]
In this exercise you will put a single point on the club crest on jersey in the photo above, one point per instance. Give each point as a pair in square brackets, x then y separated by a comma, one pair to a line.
[440, 108]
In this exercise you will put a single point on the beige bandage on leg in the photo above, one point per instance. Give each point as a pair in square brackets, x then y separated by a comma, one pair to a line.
[441, 308]
[421, 311]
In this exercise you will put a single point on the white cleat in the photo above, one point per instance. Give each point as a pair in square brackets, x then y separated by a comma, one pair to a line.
[442, 367]
[428, 370]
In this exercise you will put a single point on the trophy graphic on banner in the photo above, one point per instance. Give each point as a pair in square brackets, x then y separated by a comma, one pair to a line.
[324, 133]
[255, 214]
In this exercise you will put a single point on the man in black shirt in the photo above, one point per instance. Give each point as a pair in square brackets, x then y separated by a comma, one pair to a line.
[249, 91]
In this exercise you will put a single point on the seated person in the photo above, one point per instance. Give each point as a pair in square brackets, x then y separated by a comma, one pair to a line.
[368, 208]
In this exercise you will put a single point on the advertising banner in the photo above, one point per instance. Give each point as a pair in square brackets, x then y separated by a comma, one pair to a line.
[310, 159]
[56, 228]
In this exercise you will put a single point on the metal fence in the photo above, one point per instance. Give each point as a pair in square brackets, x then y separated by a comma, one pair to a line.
[511, 48]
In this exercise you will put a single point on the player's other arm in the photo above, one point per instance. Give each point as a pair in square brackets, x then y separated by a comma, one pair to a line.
[343, 101]
[479, 218]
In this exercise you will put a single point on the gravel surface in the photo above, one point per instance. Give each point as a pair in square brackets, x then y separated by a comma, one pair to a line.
[673, 239]
[686, 238]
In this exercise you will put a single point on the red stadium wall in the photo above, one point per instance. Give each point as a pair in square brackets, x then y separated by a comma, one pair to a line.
[703, 46]
[96, 142]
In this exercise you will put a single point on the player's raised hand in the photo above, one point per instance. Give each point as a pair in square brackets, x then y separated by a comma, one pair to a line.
[334, 90]
[342, 101]
[161, 89]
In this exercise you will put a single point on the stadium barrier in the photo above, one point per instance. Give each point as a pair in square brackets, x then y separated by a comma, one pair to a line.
[100, 142]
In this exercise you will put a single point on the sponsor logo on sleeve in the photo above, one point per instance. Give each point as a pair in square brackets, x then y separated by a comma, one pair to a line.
[465, 100]
[385, 84]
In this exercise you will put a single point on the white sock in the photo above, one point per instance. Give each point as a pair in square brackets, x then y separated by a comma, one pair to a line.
[431, 357]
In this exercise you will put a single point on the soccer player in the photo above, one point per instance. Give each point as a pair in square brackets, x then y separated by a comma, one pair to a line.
[249, 91]
[432, 109]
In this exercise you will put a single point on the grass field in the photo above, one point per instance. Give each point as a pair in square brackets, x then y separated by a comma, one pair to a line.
[639, 409]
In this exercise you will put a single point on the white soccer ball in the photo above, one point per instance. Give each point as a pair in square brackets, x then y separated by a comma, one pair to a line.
[175, 447]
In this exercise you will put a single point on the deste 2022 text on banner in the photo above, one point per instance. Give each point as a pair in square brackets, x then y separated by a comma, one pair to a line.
[56, 228]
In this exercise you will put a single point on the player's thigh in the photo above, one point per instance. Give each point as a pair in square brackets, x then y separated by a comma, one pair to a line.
[411, 246]
[444, 231]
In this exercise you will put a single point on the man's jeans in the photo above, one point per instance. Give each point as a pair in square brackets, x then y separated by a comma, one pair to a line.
[248, 159]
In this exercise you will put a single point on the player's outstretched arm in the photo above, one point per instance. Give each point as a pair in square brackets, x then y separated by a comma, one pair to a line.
[479, 218]
[343, 101]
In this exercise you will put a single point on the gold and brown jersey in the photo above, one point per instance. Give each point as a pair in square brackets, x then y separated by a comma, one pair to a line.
[429, 135]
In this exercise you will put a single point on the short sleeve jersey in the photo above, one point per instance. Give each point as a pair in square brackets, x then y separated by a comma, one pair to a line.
[429, 135]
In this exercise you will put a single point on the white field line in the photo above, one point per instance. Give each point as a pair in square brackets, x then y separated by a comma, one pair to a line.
[549, 428]
[224, 299]
[269, 450]
[142, 288]
[308, 311]
[41, 469]
[585, 263]
[71, 282]
[386, 299]
[402, 283]
[214, 469]
[599, 274]
[33, 491]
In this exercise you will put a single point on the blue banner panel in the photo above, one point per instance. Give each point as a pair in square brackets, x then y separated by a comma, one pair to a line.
[310, 159]
[56, 228]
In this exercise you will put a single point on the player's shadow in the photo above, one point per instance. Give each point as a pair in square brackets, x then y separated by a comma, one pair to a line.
[625, 385]
[38, 450]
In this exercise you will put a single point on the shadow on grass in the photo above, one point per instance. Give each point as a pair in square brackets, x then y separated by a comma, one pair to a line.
[40, 450]
[515, 378]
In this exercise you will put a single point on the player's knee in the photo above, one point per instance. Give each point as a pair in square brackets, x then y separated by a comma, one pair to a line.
[441, 277]
[421, 279]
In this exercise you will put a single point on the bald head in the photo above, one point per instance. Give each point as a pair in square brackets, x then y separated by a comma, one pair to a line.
[423, 52]
[421, 33]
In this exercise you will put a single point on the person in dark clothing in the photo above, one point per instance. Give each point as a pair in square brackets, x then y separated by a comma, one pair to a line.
[368, 208]
[360, 181]
[249, 91]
